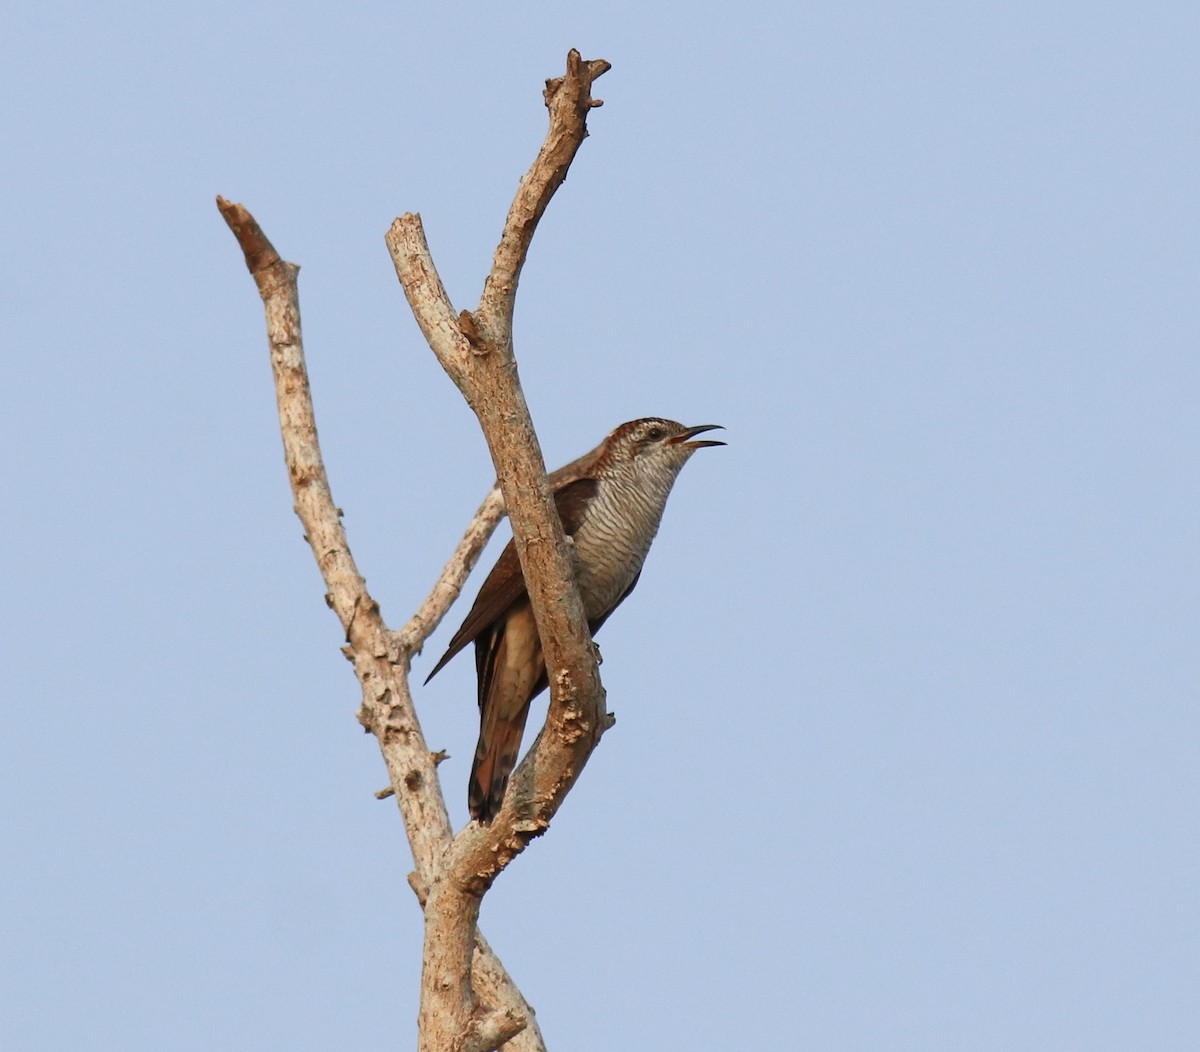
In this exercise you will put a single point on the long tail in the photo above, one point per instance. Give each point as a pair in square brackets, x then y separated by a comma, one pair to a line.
[495, 757]
[511, 671]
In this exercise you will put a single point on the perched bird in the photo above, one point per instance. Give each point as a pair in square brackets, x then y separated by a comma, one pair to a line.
[610, 515]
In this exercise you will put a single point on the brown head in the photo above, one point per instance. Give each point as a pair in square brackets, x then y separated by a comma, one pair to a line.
[651, 446]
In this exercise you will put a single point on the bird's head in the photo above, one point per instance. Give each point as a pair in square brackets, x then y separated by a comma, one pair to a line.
[652, 444]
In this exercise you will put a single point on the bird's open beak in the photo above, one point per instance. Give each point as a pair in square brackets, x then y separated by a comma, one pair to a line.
[691, 432]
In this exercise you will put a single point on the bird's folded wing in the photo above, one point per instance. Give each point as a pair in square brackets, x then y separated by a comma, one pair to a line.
[505, 585]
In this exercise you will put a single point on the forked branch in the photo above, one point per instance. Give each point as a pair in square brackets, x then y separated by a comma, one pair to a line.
[468, 1002]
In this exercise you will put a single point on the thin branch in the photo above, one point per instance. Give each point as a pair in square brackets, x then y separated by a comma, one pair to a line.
[568, 98]
[449, 585]
[493, 985]
[427, 297]
[387, 705]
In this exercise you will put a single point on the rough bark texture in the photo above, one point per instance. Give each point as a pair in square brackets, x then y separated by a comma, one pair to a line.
[468, 1001]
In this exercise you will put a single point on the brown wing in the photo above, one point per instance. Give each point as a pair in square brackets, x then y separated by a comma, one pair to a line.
[501, 589]
[505, 585]
[572, 502]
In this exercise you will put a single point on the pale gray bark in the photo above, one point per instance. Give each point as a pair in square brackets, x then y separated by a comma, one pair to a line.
[468, 1001]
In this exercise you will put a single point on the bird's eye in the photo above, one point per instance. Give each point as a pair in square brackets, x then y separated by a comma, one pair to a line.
[655, 434]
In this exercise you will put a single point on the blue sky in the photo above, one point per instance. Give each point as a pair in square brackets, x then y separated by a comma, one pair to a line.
[907, 696]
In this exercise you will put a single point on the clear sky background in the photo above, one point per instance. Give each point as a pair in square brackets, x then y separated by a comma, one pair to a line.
[906, 752]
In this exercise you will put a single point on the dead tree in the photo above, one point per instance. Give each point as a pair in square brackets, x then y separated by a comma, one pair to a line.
[468, 1001]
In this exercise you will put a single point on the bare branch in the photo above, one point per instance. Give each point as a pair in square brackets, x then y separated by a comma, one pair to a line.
[492, 1030]
[387, 705]
[276, 280]
[577, 713]
[429, 615]
[494, 986]
[427, 296]
[477, 352]
[568, 98]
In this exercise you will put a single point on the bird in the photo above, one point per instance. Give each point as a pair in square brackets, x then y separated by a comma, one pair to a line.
[610, 509]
